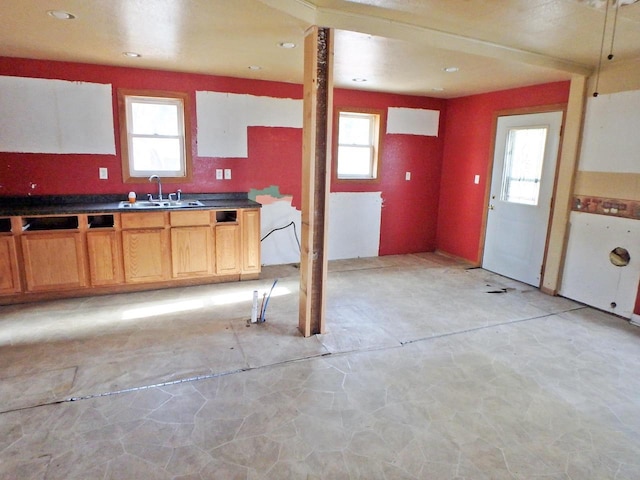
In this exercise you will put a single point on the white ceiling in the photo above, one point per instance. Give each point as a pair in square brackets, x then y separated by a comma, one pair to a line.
[398, 46]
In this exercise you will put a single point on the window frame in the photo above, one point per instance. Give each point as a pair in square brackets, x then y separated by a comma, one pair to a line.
[378, 131]
[181, 97]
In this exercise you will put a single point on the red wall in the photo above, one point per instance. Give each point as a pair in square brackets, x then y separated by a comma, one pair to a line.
[78, 174]
[274, 154]
[410, 208]
[467, 152]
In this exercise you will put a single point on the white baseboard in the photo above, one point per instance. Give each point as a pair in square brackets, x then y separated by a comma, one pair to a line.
[635, 320]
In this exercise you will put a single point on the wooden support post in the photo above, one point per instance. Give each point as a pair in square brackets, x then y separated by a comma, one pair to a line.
[316, 161]
[567, 167]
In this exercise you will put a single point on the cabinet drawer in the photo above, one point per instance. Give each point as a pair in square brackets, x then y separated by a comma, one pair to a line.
[143, 220]
[190, 218]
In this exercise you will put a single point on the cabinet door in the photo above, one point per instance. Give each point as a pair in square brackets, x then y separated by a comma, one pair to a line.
[251, 241]
[105, 258]
[192, 251]
[146, 255]
[227, 248]
[53, 261]
[9, 276]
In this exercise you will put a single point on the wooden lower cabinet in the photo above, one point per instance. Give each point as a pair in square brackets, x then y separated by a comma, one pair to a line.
[227, 248]
[105, 258]
[9, 273]
[146, 255]
[53, 261]
[250, 225]
[41, 255]
[192, 251]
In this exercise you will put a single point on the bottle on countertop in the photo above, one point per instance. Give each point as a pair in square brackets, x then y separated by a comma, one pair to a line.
[132, 197]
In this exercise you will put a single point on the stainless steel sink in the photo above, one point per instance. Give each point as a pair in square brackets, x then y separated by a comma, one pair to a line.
[150, 204]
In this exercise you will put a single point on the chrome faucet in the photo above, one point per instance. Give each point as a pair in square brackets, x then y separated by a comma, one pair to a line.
[175, 197]
[157, 178]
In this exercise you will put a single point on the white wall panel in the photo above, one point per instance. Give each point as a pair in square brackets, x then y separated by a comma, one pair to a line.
[589, 276]
[611, 141]
[223, 119]
[280, 247]
[354, 227]
[354, 224]
[413, 121]
[55, 116]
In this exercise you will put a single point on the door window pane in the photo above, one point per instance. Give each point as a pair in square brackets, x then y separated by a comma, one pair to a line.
[523, 161]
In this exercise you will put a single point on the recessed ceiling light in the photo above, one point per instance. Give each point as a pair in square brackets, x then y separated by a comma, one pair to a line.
[131, 54]
[254, 67]
[359, 80]
[61, 15]
[437, 89]
[450, 69]
[287, 45]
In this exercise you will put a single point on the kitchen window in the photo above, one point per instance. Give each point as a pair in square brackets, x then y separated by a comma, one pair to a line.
[358, 149]
[155, 135]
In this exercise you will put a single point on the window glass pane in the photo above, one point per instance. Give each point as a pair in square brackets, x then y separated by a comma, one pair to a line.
[354, 161]
[523, 161]
[156, 154]
[154, 118]
[354, 129]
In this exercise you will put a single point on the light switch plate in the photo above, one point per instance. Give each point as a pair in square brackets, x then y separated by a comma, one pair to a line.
[227, 174]
[476, 179]
[104, 173]
[407, 176]
[218, 174]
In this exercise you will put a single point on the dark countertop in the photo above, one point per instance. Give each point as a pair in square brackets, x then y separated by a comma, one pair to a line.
[78, 204]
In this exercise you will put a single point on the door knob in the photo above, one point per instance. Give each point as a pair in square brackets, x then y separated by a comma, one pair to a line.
[490, 207]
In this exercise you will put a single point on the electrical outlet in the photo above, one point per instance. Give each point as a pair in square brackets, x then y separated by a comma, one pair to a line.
[104, 173]
[407, 176]
[218, 174]
[227, 174]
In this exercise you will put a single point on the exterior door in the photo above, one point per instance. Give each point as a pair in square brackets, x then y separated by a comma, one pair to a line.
[524, 166]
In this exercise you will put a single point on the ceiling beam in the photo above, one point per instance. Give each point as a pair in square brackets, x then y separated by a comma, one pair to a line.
[382, 27]
[300, 9]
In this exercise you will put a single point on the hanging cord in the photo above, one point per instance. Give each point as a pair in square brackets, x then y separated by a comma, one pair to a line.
[604, 31]
[613, 34]
[295, 232]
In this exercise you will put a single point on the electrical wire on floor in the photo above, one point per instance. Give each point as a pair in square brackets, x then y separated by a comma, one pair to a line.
[295, 232]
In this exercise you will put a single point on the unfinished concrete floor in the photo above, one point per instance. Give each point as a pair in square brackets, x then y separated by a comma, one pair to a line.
[423, 374]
